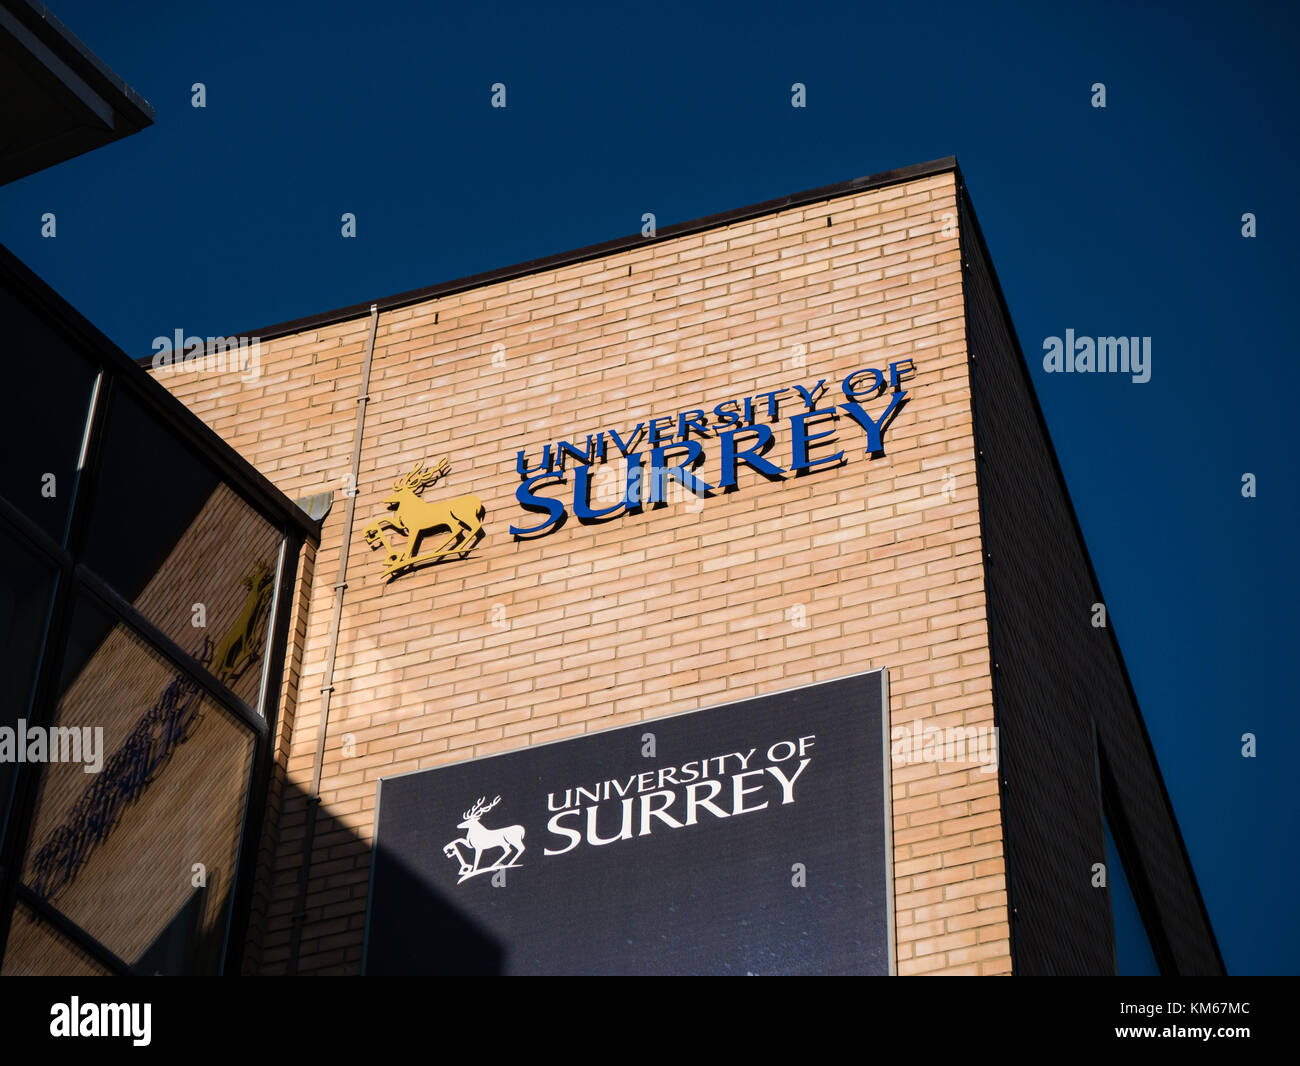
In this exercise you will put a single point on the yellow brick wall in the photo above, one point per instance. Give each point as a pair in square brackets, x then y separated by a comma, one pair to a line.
[668, 609]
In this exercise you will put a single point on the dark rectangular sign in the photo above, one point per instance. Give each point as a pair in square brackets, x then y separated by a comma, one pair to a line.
[752, 838]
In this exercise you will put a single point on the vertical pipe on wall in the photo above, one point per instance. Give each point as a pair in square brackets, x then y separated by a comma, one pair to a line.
[327, 684]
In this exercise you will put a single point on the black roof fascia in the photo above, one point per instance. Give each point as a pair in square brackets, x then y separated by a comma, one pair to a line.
[948, 164]
[158, 401]
[61, 99]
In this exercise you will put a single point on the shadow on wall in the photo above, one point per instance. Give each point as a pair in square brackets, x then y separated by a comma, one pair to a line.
[434, 936]
[424, 933]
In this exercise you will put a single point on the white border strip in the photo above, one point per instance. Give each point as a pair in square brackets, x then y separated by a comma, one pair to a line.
[890, 931]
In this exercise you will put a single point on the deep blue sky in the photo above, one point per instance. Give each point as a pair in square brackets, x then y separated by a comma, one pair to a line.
[1117, 221]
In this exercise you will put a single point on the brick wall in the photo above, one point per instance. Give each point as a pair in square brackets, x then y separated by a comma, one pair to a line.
[662, 610]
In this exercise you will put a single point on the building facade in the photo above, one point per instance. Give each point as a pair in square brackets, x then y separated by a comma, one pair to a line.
[145, 587]
[148, 574]
[762, 451]
[278, 609]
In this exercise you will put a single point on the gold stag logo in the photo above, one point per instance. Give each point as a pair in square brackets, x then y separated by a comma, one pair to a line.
[416, 519]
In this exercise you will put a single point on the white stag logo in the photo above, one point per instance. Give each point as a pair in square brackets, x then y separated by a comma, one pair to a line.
[509, 840]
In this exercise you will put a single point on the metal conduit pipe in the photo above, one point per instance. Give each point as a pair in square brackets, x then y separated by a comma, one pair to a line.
[327, 684]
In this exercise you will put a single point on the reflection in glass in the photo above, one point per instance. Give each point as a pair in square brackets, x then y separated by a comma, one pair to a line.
[36, 949]
[26, 589]
[142, 853]
[188, 551]
[43, 415]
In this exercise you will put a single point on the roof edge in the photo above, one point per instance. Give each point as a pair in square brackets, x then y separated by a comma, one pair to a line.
[42, 299]
[133, 108]
[885, 178]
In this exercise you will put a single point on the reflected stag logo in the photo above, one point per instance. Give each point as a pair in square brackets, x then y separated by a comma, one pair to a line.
[509, 841]
[460, 519]
[147, 749]
[242, 643]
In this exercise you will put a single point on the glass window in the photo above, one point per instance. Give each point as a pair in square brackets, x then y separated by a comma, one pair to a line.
[28, 582]
[37, 949]
[141, 852]
[181, 545]
[43, 415]
[1133, 954]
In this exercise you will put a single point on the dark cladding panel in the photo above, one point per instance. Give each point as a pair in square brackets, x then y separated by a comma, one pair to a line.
[1058, 678]
[43, 416]
[703, 844]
